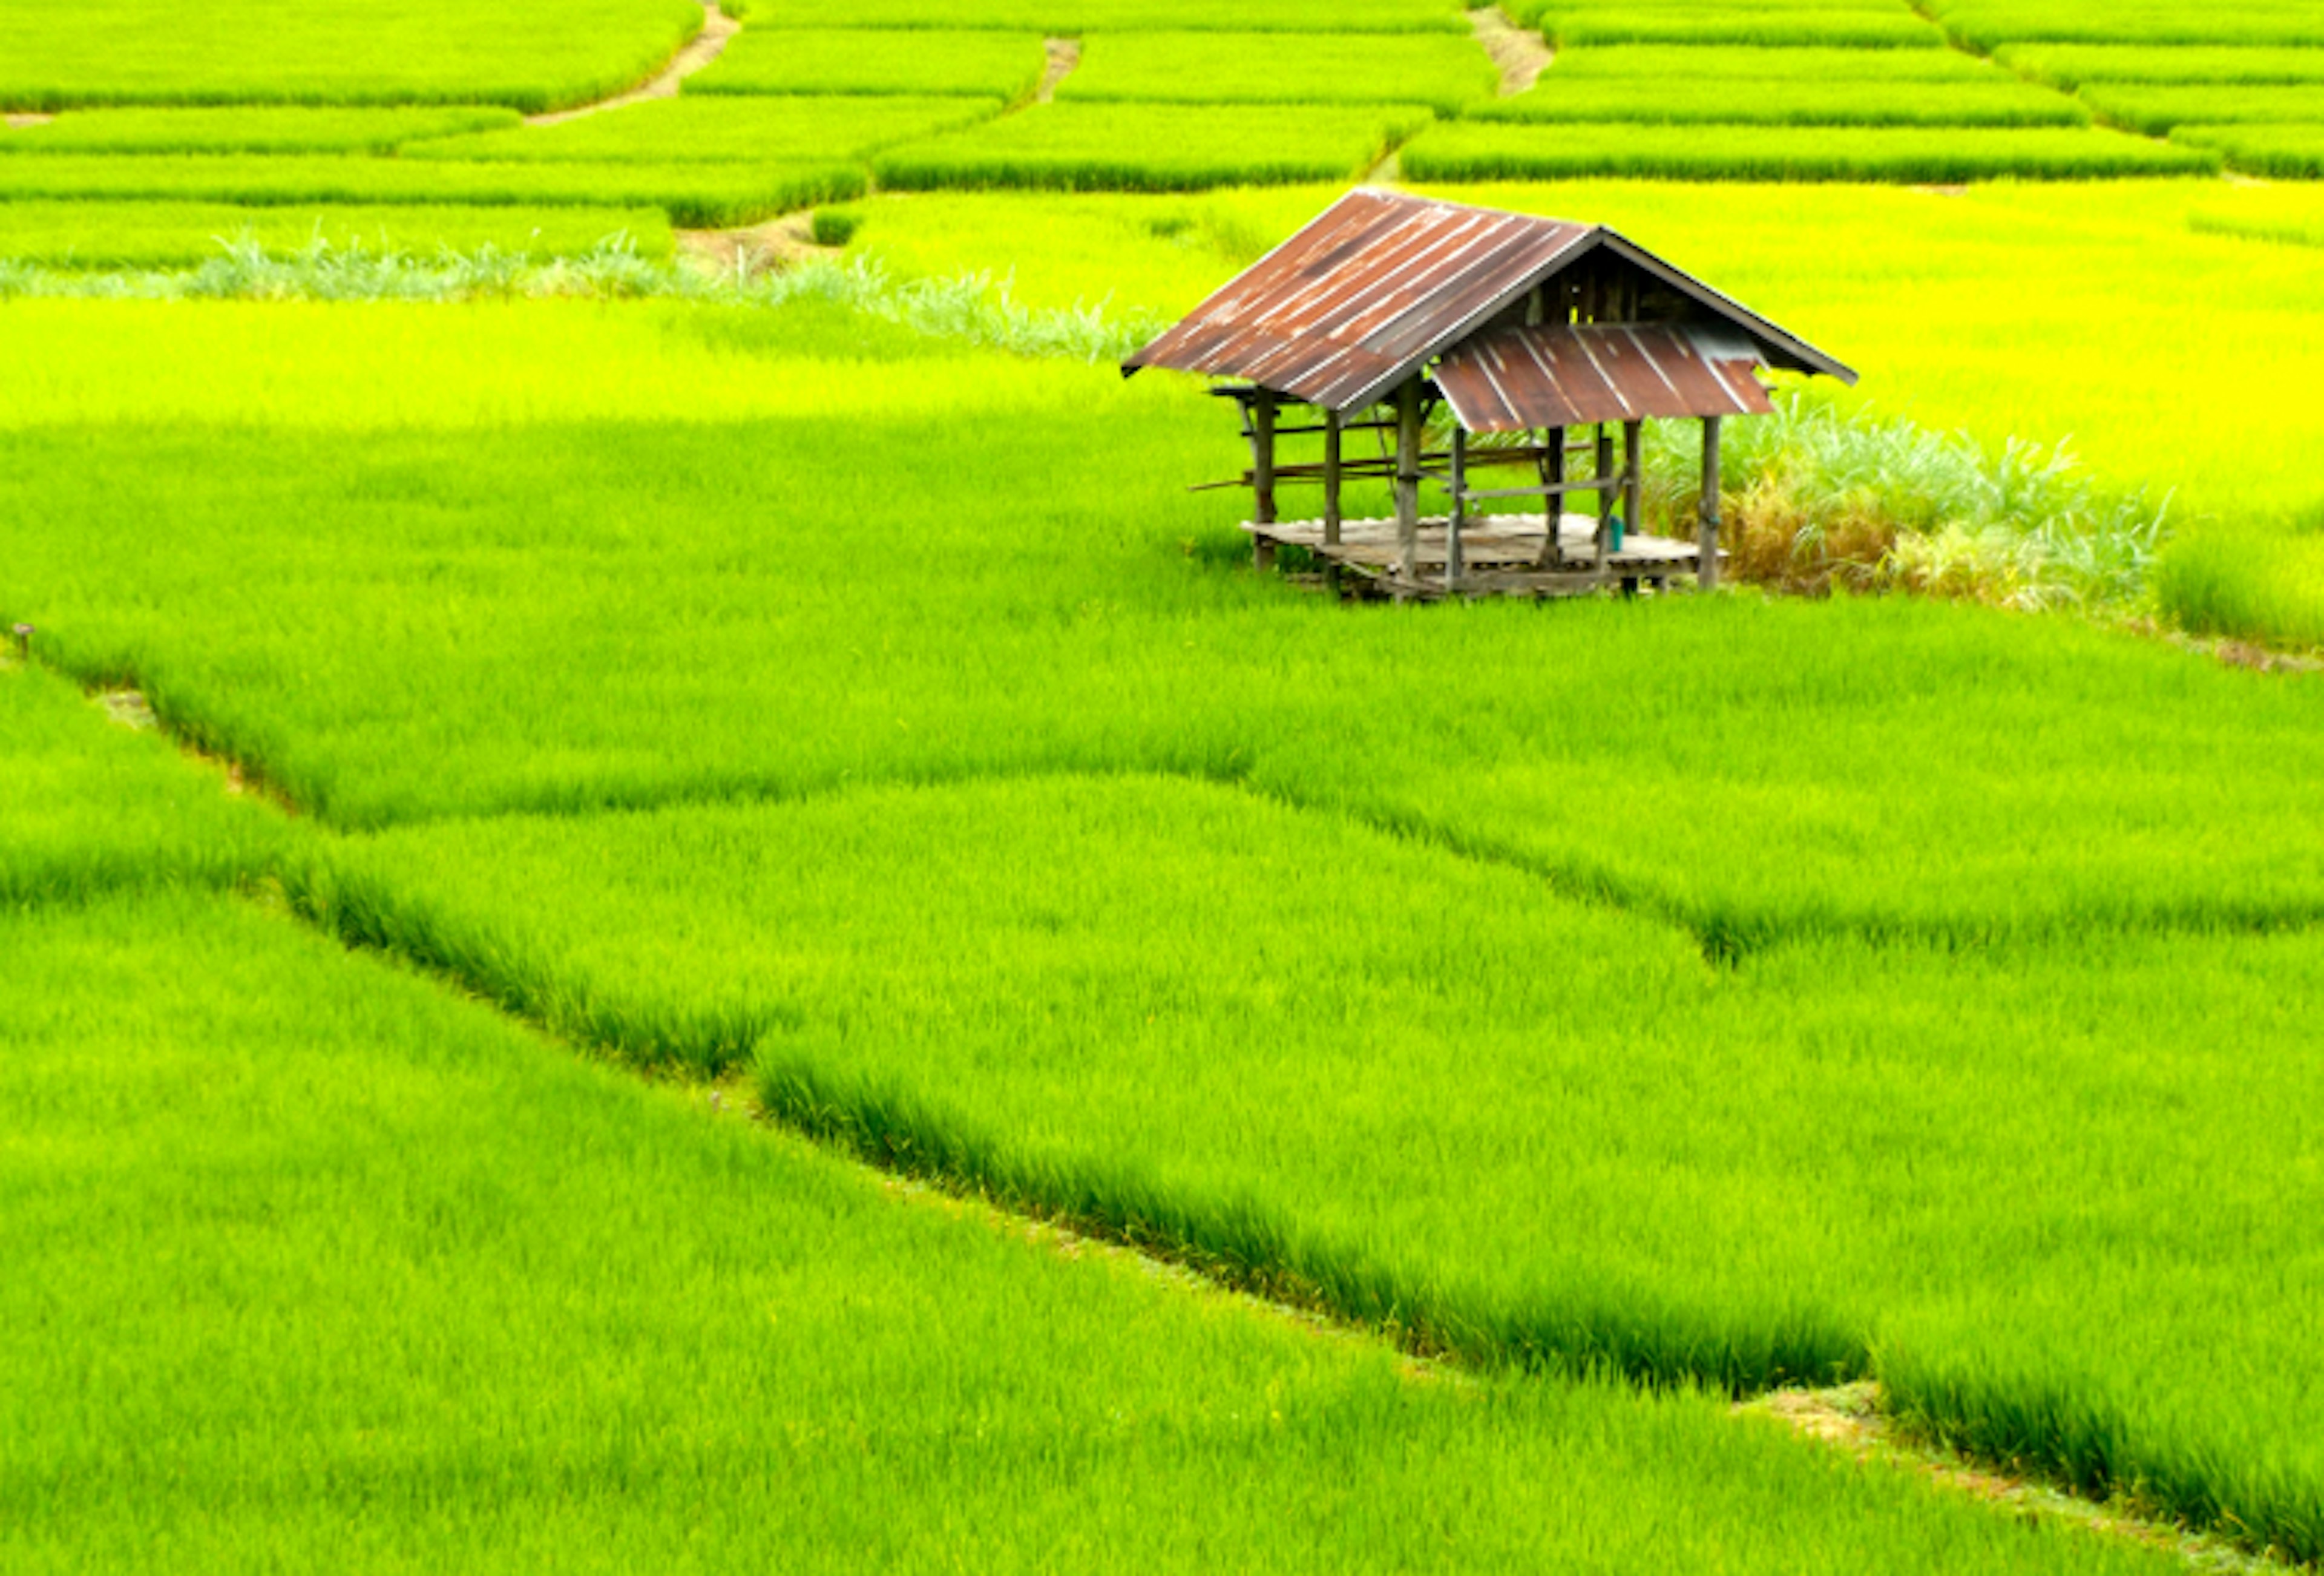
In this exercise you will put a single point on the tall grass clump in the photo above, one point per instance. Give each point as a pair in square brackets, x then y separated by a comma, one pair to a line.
[2248, 584]
[97, 236]
[1819, 497]
[254, 129]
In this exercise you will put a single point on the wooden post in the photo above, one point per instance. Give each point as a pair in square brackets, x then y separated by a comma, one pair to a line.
[1331, 495]
[1605, 496]
[1458, 514]
[1262, 478]
[1407, 481]
[1706, 572]
[1633, 432]
[1551, 468]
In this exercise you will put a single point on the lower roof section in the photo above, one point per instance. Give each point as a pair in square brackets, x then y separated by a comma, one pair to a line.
[1569, 375]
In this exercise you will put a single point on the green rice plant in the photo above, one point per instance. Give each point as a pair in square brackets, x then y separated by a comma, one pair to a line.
[697, 193]
[276, 51]
[1569, 26]
[405, 1285]
[1779, 101]
[247, 130]
[733, 130]
[95, 799]
[978, 63]
[1443, 73]
[2247, 585]
[834, 226]
[1152, 147]
[2289, 152]
[1990, 23]
[98, 234]
[1489, 151]
[2069, 66]
[2290, 216]
[1017, 987]
[1074, 18]
[2155, 108]
[1705, 63]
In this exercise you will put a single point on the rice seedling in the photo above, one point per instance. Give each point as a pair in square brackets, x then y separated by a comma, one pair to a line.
[2287, 216]
[2155, 108]
[1152, 147]
[2289, 152]
[1729, 101]
[1016, 986]
[1078, 17]
[2247, 585]
[273, 51]
[247, 130]
[317, 1264]
[1989, 24]
[761, 129]
[1443, 73]
[2069, 66]
[1689, 63]
[1569, 26]
[978, 63]
[699, 193]
[1472, 151]
[86, 235]
[89, 806]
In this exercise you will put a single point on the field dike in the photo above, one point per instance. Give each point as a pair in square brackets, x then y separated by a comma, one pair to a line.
[718, 30]
[2079, 1470]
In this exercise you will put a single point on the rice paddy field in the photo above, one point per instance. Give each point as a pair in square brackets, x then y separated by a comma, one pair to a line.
[669, 901]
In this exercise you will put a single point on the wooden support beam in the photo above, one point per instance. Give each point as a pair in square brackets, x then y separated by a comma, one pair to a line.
[1262, 476]
[1605, 499]
[1633, 448]
[1459, 519]
[1707, 571]
[1551, 468]
[1407, 478]
[1332, 494]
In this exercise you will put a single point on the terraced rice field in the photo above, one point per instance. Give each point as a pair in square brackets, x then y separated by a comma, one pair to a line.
[718, 922]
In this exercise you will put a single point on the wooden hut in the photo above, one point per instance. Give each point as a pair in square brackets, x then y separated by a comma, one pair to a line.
[1544, 339]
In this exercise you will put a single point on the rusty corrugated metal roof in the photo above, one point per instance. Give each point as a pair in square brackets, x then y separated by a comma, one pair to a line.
[1564, 375]
[1371, 287]
[1381, 282]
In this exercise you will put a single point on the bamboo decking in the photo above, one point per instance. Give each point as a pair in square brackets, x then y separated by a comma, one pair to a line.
[1501, 556]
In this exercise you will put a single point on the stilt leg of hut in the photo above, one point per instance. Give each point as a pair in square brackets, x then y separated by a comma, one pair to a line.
[1707, 568]
[1633, 457]
[1331, 495]
[1457, 516]
[1605, 497]
[1407, 481]
[1262, 478]
[1550, 467]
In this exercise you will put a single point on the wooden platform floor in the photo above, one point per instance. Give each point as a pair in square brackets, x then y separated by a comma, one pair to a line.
[1502, 553]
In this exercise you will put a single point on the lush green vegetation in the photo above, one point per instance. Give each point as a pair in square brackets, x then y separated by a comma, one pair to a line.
[1228, 68]
[1987, 23]
[695, 192]
[1685, 66]
[1467, 151]
[87, 234]
[53, 55]
[2294, 151]
[1152, 147]
[2155, 107]
[1077, 17]
[2293, 216]
[1411, 1062]
[2071, 65]
[862, 59]
[781, 129]
[1726, 102]
[247, 130]
[1570, 26]
[316, 1265]
[85, 807]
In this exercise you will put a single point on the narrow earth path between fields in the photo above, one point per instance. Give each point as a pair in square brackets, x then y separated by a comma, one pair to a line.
[1062, 58]
[717, 28]
[19, 122]
[1521, 54]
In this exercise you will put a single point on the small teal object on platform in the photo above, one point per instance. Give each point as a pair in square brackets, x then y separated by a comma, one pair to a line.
[1614, 533]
